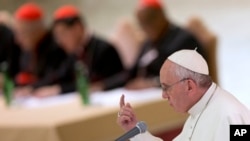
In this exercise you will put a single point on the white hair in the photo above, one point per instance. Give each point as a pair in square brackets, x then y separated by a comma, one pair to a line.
[202, 80]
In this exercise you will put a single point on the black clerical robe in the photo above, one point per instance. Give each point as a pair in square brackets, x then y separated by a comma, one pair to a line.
[41, 68]
[101, 60]
[153, 55]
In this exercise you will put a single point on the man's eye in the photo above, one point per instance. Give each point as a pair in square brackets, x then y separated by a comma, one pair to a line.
[163, 88]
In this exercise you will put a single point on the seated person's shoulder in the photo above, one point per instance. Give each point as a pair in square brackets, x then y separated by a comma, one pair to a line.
[187, 40]
[6, 34]
[185, 34]
[48, 45]
[100, 45]
[3, 28]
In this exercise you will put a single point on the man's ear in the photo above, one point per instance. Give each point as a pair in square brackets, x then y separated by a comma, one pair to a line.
[192, 86]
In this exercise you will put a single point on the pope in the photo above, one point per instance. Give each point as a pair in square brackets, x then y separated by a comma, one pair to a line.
[188, 88]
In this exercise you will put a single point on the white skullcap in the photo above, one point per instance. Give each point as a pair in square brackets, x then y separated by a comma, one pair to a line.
[190, 59]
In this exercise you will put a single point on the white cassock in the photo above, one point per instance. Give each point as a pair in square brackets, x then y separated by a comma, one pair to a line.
[210, 118]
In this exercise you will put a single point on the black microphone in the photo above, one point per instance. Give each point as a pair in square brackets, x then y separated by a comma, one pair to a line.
[140, 127]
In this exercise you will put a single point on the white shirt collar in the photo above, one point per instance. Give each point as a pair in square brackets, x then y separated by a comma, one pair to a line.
[201, 104]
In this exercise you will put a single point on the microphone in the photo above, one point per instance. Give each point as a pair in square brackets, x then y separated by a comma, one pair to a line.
[140, 127]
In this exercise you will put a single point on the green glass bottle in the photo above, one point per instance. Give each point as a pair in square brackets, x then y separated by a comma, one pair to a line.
[82, 82]
[8, 84]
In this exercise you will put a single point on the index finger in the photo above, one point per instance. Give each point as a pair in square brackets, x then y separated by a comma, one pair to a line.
[122, 101]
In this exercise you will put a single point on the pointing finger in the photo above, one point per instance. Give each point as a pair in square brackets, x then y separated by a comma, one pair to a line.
[122, 101]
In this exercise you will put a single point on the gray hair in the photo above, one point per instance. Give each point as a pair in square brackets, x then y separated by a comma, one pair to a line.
[202, 80]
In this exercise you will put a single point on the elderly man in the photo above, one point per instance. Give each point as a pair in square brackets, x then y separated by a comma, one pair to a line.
[163, 38]
[101, 59]
[35, 66]
[187, 86]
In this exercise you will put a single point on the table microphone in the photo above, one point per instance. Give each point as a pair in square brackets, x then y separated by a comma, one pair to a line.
[140, 127]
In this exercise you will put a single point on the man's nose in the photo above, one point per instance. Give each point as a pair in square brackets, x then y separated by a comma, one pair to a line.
[165, 95]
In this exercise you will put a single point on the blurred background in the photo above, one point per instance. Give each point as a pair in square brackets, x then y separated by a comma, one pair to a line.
[228, 19]
[225, 28]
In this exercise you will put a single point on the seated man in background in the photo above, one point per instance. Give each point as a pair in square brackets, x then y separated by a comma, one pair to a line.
[188, 88]
[34, 67]
[163, 38]
[98, 56]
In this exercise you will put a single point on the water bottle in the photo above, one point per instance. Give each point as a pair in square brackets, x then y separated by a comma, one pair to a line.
[82, 82]
[8, 84]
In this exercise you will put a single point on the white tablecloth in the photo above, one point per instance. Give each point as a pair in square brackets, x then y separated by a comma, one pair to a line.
[103, 98]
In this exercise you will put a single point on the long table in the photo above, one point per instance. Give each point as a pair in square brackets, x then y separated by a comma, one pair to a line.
[65, 118]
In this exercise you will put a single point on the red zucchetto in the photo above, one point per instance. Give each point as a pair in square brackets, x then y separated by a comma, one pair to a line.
[29, 12]
[64, 12]
[149, 3]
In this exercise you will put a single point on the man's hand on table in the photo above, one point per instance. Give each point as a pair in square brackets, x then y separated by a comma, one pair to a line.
[47, 91]
[126, 116]
[41, 92]
[23, 91]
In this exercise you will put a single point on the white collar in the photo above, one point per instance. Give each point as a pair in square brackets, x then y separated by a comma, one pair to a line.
[198, 107]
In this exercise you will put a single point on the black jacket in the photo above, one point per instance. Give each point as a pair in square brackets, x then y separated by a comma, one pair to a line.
[44, 66]
[173, 40]
[101, 60]
[6, 43]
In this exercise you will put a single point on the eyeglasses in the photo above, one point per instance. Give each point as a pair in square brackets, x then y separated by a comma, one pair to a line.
[165, 88]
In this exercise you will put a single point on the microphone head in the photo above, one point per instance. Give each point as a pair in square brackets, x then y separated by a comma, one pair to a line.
[141, 125]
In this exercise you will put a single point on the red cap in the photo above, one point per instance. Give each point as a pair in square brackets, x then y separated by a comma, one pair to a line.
[24, 78]
[150, 3]
[67, 11]
[29, 12]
